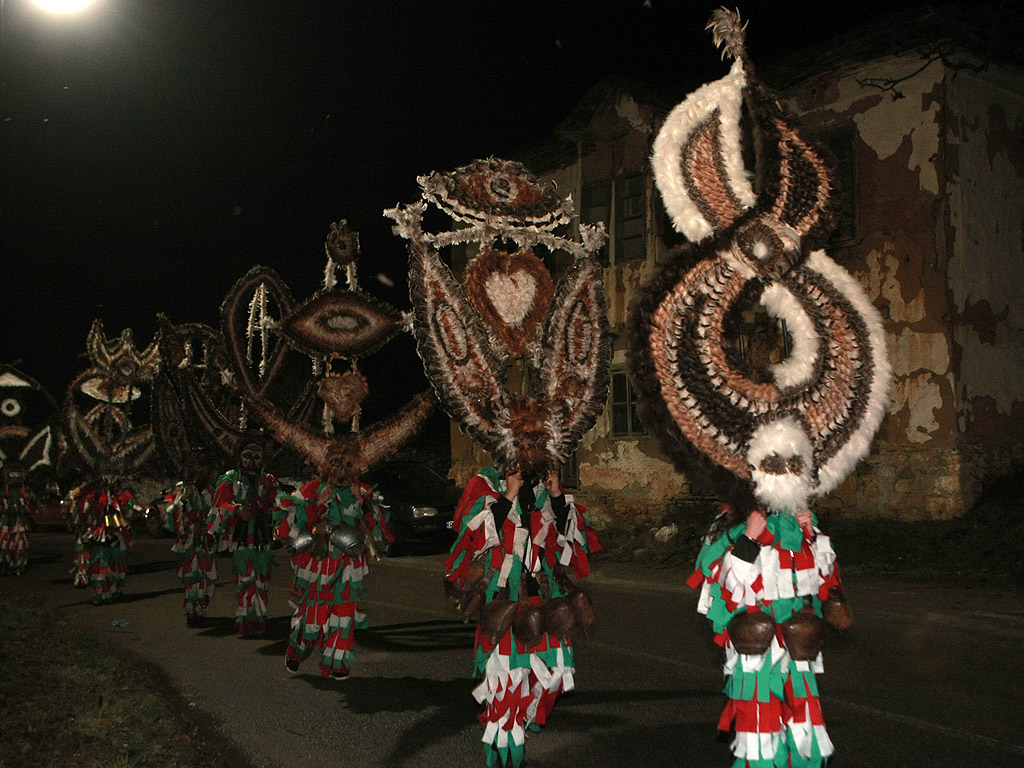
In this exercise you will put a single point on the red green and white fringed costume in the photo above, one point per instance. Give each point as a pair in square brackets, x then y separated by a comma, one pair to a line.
[328, 580]
[17, 502]
[186, 515]
[773, 699]
[520, 683]
[101, 517]
[242, 513]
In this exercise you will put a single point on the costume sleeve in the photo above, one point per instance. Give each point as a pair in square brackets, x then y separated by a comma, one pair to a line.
[499, 510]
[827, 565]
[375, 514]
[561, 510]
[477, 529]
[714, 560]
[569, 543]
[223, 511]
[172, 509]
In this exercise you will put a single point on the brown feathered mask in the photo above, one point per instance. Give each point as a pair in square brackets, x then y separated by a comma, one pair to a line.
[339, 323]
[508, 313]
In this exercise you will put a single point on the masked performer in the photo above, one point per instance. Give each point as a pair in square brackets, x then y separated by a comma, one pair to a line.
[329, 527]
[523, 650]
[26, 442]
[769, 439]
[17, 503]
[241, 513]
[101, 441]
[518, 532]
[101, 514]
[331, 521]
[185, 515]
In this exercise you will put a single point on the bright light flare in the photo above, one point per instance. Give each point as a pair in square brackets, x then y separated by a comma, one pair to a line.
[63, 6]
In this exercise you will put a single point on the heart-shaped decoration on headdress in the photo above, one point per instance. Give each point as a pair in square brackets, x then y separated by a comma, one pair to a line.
[511, 292]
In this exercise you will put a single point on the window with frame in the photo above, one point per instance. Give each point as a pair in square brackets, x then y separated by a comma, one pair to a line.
[625, 420]
[758, 340]
[569, 472]
[630, 207]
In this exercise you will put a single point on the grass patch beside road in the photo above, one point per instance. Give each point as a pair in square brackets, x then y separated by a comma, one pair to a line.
[66, 700]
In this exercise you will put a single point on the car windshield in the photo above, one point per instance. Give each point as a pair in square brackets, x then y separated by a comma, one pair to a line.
[409, 476]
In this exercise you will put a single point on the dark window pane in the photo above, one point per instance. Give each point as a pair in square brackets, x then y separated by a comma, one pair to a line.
[631, 249]
[633, 228]
[598, 193]
[635, 426]
[619, 388]
[595, 214]
[620, 419]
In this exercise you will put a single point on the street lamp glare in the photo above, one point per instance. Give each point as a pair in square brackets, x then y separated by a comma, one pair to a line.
[62, 6]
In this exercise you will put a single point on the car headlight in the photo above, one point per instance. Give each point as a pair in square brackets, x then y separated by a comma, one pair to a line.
[424, 512]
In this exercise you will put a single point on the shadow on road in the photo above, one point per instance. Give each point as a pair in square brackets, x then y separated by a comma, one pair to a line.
[419, 636]
[152, 566]
[576, 712]
[625, 745]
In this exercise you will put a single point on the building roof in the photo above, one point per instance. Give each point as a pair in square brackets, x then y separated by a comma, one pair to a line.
[970, 35]
[571, 135]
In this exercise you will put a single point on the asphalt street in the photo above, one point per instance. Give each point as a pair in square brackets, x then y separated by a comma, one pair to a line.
[929, 676]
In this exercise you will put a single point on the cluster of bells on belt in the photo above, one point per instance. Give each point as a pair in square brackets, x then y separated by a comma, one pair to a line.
[557, 616]
[804, 632]
[114, 521]
[319, 539]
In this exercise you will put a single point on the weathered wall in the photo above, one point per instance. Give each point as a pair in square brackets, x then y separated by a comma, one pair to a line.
[940, 196]
[985, 135]
[898, 255]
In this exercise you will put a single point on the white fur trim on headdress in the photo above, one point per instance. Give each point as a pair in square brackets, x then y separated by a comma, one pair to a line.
[716, 108]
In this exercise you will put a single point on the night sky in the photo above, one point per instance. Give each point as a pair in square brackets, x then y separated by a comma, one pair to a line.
[153, 151]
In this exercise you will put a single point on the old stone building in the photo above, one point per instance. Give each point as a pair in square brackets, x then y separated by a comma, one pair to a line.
[929, 148]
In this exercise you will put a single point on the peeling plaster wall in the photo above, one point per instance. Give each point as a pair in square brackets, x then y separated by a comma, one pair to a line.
[986, 229]
[940, 200]
[914, 471]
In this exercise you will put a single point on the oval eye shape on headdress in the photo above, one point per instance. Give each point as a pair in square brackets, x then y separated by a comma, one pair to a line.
[106, 390]
[340, 322]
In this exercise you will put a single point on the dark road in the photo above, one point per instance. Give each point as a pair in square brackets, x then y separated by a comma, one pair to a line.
[927, 677]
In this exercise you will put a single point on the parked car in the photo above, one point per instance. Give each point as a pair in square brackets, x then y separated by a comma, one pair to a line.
[49, 513]
[422, 502]
[154, 517]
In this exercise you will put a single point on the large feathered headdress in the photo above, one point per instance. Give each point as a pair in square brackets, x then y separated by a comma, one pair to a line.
[26, 409]
[101, 436]
[793, 431]
[507, 312]
[338, 323]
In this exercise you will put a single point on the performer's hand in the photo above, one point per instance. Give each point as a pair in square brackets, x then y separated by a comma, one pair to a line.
[245, 513]
[357, 492]
[513, 482]
[803, 517]
[756, 523]
[326, 493]
[552, 483]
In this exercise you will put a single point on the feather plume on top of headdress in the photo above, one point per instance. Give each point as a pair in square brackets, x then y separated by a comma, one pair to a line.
[726, 27]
